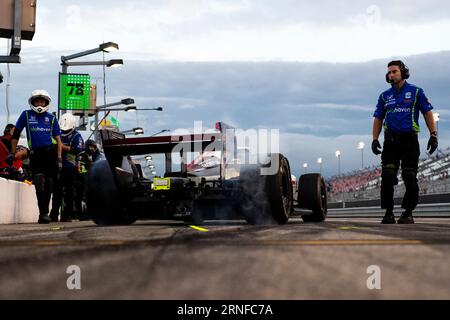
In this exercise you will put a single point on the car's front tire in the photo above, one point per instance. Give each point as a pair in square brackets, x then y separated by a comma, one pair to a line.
[312, 195]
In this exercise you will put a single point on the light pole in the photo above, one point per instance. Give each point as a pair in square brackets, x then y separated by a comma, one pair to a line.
[305, 166]
[126, 109]
[154, 109]
[104, 47]
[113, 63]
[361, 147]
[137, 131]
[338, 155]
[319, 161]
[127, 102]
[436, 119]
[163, 130]
[105, 107]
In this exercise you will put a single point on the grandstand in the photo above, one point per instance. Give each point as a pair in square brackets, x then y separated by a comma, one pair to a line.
[433, 177]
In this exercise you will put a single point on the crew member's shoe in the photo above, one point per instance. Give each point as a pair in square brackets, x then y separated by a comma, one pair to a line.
[388, 218]
[65, 219]
[54, 216]
[406, 218]
[83, 217]
[44, 219]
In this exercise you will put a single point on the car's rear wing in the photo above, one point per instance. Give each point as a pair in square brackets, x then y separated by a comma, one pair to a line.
[116, 146]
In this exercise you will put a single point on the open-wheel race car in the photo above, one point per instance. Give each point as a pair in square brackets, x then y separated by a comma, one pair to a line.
[217, 184]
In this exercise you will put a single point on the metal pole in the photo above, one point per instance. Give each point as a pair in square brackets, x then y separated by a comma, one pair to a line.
[437, 133]
[64, 67]
[8, 84]
[17, 37]
[342, 194]
[104, 79]
[80, 54]
[95, 130]
[362, 158]
[339, 165]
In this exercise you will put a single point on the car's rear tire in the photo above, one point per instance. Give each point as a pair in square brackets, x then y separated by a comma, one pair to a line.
[312, 195]
[104, 202]
[199, 209]
[266, 199]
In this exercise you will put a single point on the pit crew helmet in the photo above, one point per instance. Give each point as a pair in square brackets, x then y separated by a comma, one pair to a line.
[39, 94]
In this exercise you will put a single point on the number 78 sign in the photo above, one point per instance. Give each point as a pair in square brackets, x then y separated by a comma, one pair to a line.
[74, 91]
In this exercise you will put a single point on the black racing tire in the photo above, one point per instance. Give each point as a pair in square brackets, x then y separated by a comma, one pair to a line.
[312, 195]
[104, 201]
[266, 199]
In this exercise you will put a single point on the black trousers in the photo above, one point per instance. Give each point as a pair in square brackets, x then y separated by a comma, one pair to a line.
[400, 150]
[70, 189]
[44, 167]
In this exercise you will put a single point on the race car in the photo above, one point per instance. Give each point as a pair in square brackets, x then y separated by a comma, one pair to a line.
[217, 184]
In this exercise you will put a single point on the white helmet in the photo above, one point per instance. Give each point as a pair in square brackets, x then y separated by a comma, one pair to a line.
[39, 94]
[68, 122]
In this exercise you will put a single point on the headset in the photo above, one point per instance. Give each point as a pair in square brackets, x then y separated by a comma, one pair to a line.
[404, 70]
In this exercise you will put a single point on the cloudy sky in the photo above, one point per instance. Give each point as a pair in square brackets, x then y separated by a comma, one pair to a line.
[312, 69]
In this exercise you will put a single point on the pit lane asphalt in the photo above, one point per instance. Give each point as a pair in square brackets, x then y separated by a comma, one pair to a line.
[227, 260]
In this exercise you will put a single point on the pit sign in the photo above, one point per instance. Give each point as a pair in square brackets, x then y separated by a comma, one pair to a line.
[74, 91]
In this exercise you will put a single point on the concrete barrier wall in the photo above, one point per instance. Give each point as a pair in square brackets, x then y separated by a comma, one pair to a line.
[423, 199]
[18, 203]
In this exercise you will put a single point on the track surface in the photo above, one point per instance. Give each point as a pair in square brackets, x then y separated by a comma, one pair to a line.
[227, 260]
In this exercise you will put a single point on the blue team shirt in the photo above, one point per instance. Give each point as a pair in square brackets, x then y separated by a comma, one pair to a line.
[75, 141]
[42, 128]
[400, 109]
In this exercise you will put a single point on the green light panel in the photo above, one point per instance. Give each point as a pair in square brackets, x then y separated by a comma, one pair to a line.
[74, 91]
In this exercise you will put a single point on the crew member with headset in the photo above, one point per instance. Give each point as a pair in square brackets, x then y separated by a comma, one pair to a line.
[44, 141]
[85, 161]
[399, 107]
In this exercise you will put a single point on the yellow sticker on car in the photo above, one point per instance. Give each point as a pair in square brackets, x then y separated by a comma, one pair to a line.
[161, 184]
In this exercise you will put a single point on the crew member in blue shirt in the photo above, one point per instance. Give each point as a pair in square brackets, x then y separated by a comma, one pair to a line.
[70, 184]
[43, 135]
[399, 107]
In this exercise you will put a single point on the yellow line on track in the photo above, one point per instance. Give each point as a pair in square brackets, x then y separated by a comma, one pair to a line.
[199, 228]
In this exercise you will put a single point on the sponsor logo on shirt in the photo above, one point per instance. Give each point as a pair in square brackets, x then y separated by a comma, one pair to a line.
[40, 129]
[402, 109]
